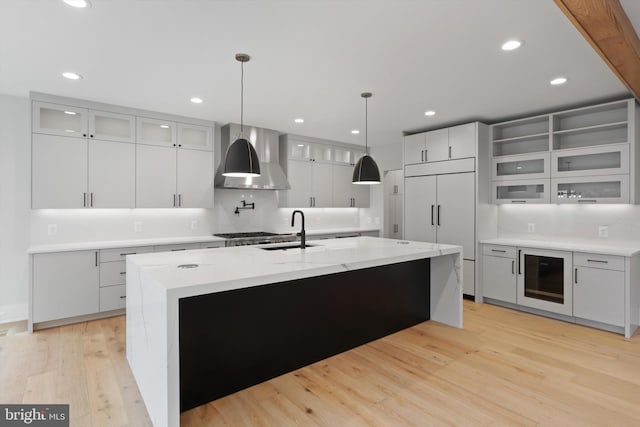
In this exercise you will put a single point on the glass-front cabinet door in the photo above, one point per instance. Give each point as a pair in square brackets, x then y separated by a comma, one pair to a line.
[194, 136]
[155, 132]
[63, 120]
[607, 160]
[597, 189]
[521, 191]
[112, 126]
[528, 166]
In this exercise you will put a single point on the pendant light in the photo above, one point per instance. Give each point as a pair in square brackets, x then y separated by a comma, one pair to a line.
[241, 159]
[366, 170]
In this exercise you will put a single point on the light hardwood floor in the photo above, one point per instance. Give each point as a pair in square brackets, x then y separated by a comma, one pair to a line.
[504, 368]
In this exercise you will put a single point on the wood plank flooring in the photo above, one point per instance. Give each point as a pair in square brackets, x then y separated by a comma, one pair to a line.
[504, 368]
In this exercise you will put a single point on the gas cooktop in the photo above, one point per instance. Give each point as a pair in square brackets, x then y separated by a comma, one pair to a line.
[255, 238]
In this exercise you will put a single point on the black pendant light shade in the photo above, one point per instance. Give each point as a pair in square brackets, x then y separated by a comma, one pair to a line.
[366, 170]
[241, 159]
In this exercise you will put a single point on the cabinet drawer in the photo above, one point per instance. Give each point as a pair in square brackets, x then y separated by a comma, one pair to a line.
[113, 297]
[181, 247]
[119, 254]
[499, 250]
[607, 262]
[112, 273]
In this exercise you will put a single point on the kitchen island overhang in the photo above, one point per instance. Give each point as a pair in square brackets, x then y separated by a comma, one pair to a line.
[157, 288]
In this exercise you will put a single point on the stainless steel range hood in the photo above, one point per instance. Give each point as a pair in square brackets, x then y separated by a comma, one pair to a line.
[266, 143]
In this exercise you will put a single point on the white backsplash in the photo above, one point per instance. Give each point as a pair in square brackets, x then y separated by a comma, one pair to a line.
[570, 222]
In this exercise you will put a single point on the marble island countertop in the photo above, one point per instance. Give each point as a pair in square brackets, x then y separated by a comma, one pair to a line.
[625, 249]
[242, 266]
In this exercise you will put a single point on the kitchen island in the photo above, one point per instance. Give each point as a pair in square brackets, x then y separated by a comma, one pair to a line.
[205, 323]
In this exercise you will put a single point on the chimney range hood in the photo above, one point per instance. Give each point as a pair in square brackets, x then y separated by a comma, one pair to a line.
[266, 143]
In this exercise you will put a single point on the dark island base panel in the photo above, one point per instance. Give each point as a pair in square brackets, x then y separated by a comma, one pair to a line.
[233, 340]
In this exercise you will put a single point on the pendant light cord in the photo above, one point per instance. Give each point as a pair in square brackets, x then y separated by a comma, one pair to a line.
[366, 126]
[241, 99]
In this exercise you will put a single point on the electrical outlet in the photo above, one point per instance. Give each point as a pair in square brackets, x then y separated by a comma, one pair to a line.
[531, 227]
[603, 231]
[194, 224]
[137, 226]
[52, 229]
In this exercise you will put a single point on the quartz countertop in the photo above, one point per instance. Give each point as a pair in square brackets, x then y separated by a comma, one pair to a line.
[626, 249]
[236, 267]
[108, 244]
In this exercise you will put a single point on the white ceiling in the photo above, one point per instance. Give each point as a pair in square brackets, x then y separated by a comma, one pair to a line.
[310, 59]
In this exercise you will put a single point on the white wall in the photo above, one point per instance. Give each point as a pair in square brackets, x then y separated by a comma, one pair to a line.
[573, 222]
[15, 193]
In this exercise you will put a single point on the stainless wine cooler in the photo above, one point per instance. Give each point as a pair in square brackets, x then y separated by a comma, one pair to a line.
[544, 280]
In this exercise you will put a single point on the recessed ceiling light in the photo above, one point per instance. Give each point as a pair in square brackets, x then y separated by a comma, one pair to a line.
[77, 3]
[71, 76]
[511, 44]
[558, 81]
[71, 113]
[69, 130]
[196, 100]
[430, 113]
[164, 126]
[299, 120]
[300, 145]
[355, 131]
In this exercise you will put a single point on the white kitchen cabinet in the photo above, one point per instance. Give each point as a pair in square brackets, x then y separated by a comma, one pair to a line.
[598, 293]
[311, 184]
[156, 177]
[462, 141]
[63, 120]
[436, 145]
[592, 161]
[597, 189]
[455, 209]
[521, 191]
[168, 177]
[194, 178]
[499, 273]
[521, 136]
[312, 151]
[113, 298]
[195, 137]
[58, 172]
[111, 174]
[468, 277]
[176, 247]
[414, 149]
[345, 193]
[156, 132]
[420, 208]
[109, 126]
[112, 273]
[65, 284]
[520, 167]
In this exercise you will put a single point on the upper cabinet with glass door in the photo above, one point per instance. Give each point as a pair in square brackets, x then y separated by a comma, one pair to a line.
[311, 151]
[195, 137]
[64, 120]
[156, 132]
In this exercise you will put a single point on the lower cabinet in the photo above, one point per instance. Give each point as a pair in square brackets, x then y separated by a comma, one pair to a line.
[113, 297]
[65, 284]
[499, 273]
[598, 288]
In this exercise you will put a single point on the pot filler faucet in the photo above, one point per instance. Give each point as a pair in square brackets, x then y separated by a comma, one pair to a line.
[302, 232]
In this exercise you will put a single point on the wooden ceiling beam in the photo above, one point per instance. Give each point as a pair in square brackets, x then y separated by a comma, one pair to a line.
[607, 28]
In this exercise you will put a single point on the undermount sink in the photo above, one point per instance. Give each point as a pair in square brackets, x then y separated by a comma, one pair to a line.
[285, 247]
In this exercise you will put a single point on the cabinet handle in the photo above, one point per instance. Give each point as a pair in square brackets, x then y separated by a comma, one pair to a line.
[96, 258]
[91, 200]
[395, 189]
[123, 297]
[498, 250]
[519, 264]
[438, 215]
[422, 155]
[513, 266]
[310, 202]
[518, 201]
[122, 273]
[587, 201]
[598, 260]
[128, 253]
[179, 200]
[426, 155]
[575, 276]
[314, 199]
[432, 206]
[449, 151]
[174, 200]
[84, 200]
[176, 250]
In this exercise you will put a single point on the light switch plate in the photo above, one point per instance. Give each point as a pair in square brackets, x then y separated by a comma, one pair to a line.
[194, 224]
[531, 227]
[52, 229]
[603, 231]
[137, 226]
